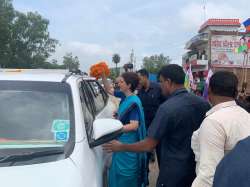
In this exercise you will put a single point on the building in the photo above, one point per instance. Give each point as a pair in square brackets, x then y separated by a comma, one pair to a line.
[213, 47]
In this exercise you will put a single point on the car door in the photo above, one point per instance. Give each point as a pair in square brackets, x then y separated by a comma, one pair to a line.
[104, 108]
[92, 163]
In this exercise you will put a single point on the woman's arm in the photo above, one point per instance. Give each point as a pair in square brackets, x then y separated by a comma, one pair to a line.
[107, 85]
[133, 120]
[132, 126]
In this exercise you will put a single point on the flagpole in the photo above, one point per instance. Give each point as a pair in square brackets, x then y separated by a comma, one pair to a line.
[246, 72]
[244, 85]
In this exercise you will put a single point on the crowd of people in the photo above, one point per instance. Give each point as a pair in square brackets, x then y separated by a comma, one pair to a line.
[196, 141]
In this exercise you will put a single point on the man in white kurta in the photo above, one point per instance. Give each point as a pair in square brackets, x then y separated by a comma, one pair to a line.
[225, 124]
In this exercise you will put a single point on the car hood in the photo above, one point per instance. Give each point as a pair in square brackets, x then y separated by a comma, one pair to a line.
[61, 173]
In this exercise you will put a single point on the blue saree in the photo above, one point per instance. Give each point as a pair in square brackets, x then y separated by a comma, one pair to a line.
[127, 168]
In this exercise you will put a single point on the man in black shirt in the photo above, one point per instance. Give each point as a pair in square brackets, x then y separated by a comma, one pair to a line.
[150, 95]
[151, 98]
[175, 121]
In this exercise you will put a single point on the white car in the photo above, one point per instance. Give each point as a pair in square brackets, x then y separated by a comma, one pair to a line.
[51, 126]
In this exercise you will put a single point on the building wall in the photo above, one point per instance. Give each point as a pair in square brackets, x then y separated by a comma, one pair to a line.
[220, 28]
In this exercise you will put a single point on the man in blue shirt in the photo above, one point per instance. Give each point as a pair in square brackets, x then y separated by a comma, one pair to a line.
[234, 168]
[175, 121]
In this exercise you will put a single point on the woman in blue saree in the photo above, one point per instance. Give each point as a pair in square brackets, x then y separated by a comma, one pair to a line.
[129, 169]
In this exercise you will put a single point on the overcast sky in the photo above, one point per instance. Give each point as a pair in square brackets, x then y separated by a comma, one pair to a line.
[93, 30]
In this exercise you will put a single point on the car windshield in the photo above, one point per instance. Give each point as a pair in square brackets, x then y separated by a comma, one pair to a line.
[34, 115]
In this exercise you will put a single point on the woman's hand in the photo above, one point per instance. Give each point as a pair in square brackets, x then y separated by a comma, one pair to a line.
[132, 126]
[115, 115]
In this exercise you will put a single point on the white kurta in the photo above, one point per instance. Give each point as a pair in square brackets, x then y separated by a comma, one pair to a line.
[224, 126]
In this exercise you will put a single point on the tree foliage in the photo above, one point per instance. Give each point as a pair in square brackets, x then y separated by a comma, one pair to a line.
[6, 18]
[154, 63]
[70, 62]
[24, 39]
[113, 74]
[116, 59]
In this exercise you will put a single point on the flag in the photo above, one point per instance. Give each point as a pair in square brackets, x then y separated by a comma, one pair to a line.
[205, 91]
[189, 80]
[186, 83]
[248, 44]
[247, 24]
[248, 28]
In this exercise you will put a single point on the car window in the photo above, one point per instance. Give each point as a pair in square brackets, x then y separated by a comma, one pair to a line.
[99, 95]
[40, 114]
[88, 97]
[87, 107]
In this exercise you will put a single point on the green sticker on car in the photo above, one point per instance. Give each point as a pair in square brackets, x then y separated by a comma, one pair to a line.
[60, 125]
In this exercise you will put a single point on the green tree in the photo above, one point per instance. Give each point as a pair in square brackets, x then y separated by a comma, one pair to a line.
[31, 44]
[116, 59]
[54, 65]
[7, 15]
[24, 38]
[70, 62]
[113, 74]
[154, 63]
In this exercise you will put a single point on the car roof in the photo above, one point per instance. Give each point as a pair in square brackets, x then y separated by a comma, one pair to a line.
[45, 75]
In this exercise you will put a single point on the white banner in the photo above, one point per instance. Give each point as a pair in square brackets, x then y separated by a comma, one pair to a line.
[222, 50]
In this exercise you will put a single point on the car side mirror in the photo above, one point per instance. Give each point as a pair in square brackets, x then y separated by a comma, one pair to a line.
[105, 130]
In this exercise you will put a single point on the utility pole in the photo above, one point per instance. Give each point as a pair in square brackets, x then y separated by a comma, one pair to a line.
[204, 10]
[132, 59]
[135, 63]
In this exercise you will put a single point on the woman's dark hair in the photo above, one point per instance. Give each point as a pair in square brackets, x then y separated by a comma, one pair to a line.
[132, 79]
[224, 83]
[143, 72]
[173, 72]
